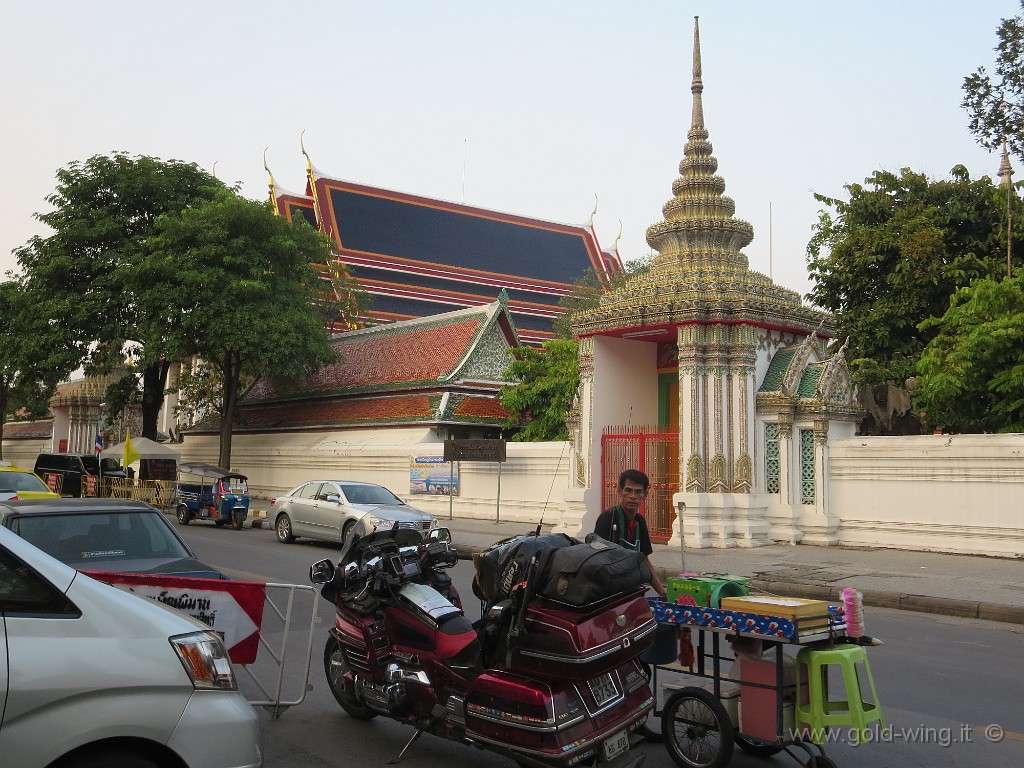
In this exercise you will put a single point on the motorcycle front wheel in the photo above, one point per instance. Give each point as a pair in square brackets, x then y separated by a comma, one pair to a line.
[336, 666]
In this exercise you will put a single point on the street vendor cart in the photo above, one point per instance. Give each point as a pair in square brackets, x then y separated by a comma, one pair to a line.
[728, 680]
[206, 492]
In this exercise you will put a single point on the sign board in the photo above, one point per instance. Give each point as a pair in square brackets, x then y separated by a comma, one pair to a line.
[433, 475]
[232, 609]
[474, 450]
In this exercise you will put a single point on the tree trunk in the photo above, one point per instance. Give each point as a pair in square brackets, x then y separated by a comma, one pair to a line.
[154, 382]
[232, 367]
[3, 417]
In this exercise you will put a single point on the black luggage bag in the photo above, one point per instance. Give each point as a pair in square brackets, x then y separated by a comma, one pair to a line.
[586, 573]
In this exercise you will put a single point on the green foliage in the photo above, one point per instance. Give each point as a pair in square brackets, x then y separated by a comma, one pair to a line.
[237, 290]
[35, 353]
[995, 103]
[972, 372]
[104, 211]
[892, 255]
[586, 293]
[547, 382]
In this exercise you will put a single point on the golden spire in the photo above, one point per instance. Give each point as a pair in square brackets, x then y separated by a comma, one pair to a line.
[270, 182]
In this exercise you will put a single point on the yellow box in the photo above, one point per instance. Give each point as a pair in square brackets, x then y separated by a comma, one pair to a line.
[809, 616]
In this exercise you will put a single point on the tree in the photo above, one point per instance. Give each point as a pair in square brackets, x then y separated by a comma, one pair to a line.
[237, 289]
[972, 372]
[893, 255]
[35, 354]
[104, 211]
[547, 380]
[586, 293]
[996, 104]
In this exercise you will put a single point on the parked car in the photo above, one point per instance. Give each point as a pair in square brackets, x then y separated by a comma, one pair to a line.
[78, 471]
[18, 483]
[95, 676]
[117, 535]
[328, 510]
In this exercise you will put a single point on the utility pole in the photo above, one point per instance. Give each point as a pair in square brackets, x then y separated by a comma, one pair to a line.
[1005, 174]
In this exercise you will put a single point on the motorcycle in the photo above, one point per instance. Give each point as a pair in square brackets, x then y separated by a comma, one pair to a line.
[547, 684]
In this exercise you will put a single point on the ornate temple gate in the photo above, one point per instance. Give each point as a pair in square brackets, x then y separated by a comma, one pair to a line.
[652, 452]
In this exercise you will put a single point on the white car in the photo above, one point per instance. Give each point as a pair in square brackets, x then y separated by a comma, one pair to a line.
[328, 510]
[94, 677]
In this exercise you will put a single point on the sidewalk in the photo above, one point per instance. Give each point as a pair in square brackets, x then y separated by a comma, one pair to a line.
[969, 586]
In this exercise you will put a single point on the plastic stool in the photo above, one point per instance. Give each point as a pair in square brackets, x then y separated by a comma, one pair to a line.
[818, 713]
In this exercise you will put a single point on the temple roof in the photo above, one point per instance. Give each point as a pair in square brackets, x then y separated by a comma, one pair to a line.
[700, 274]
[419, 256]
[439, 369]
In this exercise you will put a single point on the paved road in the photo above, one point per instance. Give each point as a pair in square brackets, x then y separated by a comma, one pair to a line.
[942, 680]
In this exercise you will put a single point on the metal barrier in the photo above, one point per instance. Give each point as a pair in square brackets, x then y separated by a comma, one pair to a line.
[268, 671]
[159, 493]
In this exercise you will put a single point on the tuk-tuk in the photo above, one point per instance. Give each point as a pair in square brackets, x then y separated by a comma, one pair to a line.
[220, 495]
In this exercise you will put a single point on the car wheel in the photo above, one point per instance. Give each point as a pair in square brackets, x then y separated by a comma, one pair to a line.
[337, 668]
[283, 525]
[346, 530]
[108, 759]
[184, 516]
[237, 521]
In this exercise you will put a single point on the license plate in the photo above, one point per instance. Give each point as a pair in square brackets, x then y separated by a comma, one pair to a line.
[603, 689]
[616, 745]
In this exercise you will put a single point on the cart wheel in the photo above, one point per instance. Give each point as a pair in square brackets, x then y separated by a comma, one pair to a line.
[283, 526]
[756, 748]
[184, 516]
[697, 730]
[237, 521]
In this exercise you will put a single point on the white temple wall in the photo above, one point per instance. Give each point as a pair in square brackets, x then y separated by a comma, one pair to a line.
[942, 493]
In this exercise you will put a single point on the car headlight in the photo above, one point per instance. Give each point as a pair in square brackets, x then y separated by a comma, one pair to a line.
[204, 658]
[382, 523]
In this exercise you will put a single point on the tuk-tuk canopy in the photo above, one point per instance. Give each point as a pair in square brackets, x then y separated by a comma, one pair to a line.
[208, 470]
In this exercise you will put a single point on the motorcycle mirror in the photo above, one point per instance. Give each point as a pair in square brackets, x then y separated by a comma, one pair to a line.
[439, 534]
[321, 572]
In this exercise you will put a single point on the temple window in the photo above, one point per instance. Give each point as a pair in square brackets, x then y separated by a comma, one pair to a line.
[772, 471]
[807, 466]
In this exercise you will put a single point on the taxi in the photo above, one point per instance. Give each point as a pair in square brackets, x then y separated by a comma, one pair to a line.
[16, 483]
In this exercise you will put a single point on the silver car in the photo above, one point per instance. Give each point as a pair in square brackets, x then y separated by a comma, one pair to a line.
[93, 676]
[328, 510]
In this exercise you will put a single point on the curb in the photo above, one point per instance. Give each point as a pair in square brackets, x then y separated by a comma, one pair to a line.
[940, 606]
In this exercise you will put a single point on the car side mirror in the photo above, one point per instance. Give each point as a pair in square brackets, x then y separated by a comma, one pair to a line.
[333, 498]
[439, 534]
[321, 572]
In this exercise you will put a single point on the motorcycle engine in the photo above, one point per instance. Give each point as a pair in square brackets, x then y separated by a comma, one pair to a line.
[388, 696]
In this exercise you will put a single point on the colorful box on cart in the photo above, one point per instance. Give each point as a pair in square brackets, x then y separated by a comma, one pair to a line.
[706, 589]
[807, 616]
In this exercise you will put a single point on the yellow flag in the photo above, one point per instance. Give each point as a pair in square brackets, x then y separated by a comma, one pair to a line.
[130, 454]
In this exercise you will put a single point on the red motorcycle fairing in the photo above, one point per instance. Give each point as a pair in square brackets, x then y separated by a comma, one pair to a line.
[558, 723]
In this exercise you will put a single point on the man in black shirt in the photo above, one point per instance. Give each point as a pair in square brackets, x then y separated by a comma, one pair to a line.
[624, 525]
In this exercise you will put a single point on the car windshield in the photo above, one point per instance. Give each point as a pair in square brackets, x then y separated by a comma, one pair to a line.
[369, 494]
[102, 536]
[21, 481]
[92, 464]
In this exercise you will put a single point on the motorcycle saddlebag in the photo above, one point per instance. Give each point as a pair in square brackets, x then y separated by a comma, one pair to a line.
[570, 643]
[588, 573]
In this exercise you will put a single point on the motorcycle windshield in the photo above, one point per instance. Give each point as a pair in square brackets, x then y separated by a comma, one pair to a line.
[357, 544]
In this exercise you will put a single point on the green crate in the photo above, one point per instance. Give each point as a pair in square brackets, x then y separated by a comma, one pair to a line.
[708, 589]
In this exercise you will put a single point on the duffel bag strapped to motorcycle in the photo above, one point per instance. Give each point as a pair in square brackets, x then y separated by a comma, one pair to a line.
[585, 573]
[503, 565]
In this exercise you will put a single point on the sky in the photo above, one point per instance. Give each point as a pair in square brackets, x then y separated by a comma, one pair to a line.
[541, 108]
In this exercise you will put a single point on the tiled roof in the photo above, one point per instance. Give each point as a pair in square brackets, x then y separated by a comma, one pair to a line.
[809, 380]
[330, 413]
[481, 408]
[777, 370]
[28, 430]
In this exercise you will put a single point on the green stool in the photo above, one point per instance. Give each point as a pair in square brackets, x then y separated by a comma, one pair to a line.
[818, 712]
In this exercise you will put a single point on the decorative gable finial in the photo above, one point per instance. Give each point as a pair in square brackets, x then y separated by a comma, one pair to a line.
[271, 185]
[503, 296]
